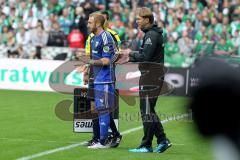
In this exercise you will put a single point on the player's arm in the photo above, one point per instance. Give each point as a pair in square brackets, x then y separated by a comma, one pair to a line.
[107, 51]
[100, 62]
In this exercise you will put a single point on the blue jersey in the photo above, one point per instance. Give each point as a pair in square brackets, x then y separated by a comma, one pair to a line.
[103, 46]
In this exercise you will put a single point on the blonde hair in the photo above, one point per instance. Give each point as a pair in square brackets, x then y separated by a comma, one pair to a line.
[145, 12]
[98, 18]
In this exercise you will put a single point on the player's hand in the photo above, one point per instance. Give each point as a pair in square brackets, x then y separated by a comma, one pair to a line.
[84, 59]
[85, 78]
[124, 51]
[85, 81]
[82, 69]
[122, 59]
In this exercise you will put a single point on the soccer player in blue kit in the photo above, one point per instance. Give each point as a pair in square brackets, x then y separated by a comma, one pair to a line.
[102, 51]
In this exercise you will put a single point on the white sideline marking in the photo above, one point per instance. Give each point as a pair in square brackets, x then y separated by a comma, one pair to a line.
[51, 141]
[81, 143]
[51, 151]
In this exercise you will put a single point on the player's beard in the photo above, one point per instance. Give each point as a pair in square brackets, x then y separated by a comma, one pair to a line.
[94, 29]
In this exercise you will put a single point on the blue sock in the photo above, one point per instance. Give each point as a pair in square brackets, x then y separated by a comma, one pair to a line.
[104, 120]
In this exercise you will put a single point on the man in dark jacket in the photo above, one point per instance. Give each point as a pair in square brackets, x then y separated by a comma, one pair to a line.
[151, 59]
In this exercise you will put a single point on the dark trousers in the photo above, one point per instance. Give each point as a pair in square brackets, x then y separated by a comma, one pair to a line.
[150, 88]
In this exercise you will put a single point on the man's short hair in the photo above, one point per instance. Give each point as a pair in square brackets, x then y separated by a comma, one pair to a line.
[98, 18]
[145, 12]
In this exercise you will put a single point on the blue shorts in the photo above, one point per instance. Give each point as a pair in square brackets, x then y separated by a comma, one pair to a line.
[104, 96]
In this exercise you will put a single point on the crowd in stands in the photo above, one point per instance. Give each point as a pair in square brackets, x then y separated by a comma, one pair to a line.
[190, 26]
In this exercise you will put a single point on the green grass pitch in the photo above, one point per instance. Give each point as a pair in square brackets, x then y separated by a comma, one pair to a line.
[28, 125]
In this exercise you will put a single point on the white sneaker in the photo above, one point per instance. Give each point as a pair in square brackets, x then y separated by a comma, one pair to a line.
[98, 146]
